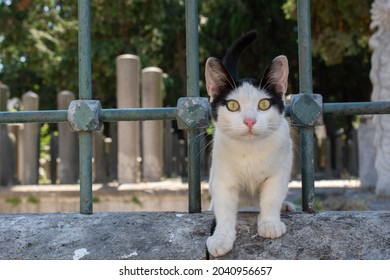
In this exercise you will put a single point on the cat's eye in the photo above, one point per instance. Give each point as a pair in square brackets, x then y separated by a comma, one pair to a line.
[264, 104]
[233, 105]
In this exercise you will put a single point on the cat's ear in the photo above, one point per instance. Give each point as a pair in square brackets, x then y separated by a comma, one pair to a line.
[275, 77]
[217, 77]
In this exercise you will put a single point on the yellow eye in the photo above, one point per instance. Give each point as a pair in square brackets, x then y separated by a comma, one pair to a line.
[233, 105]
[264, 104]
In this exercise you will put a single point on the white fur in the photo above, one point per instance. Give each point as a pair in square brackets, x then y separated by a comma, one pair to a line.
[246, 165]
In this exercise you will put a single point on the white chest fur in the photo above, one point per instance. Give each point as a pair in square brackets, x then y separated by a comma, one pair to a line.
[246, 164]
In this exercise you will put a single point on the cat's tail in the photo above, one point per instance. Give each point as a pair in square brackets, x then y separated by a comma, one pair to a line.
[287, 207]
[230, 61]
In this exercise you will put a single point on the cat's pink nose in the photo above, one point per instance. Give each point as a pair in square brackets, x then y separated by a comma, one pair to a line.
[249, 122]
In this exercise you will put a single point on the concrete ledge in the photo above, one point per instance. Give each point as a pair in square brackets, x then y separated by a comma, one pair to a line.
[325, 235]
[171, 235]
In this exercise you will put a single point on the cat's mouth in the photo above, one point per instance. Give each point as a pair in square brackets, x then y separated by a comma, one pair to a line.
[249, 134]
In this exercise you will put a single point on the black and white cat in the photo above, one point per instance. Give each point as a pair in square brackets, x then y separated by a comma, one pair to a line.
[252, 149]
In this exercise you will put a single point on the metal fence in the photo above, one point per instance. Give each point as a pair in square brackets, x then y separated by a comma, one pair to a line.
[192, 112]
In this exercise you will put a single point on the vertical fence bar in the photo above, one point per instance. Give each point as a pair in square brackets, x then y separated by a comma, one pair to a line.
[192, 60]
[306, 86]
[85, 92]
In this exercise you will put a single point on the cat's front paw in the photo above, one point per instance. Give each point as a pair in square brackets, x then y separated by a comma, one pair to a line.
[218, 245]
[271, 229]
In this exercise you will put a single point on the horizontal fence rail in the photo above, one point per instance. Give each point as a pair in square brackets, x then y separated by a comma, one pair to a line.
[49, 116]
[357, 108]
[170, 113]
[114, 115]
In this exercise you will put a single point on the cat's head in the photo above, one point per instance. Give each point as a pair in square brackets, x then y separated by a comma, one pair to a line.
[247, 108]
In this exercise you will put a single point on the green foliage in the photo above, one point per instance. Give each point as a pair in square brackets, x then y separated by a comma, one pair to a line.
[44, 141]
[14, 201]
[133, 199]
[32, 199]
[44, 152]
[39, 49]
[33, 51]
[340, 28]
[341, 61]
[223, 23]
[318, 203]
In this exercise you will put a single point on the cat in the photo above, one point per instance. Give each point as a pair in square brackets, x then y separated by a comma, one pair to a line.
[252, 148]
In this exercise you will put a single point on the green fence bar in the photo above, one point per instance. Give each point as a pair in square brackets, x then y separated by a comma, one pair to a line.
[352, 108]
[192, 57]
[138, 114]
[306, 86]
[49, 116]
[85, 142]
[356, 108]
[85, 92]
[106, 115]
[169, 113]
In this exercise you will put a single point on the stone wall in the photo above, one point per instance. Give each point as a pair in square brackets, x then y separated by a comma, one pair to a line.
[173, 235]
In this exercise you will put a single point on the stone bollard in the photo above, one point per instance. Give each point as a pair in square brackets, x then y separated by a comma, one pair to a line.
[14, 131]
[4, 151]
[152, 131]
[30, 151]
[99, 168]
[168, 148]
[112, 151]
[4, 95]
[68, 144]
[20, 154]
[127, 68]
[367, 153]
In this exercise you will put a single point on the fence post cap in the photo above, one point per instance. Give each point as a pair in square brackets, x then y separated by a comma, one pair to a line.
[193, 112]
[306, 109]
[152, 69]
[83, 115]
[30, 94]
[66, 92]
[127, 56]
[3, 86]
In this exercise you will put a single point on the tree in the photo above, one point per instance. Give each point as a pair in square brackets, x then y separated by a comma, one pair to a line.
[40, 44]
[222, 24]
[339, 28]
[33, 46]
[341, 56]
[38, 47]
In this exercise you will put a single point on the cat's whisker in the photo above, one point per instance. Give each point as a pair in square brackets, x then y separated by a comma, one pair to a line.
[232, 83]
[204, 148]
[202, 136]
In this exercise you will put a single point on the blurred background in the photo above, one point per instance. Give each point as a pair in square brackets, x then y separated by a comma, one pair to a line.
[38, 52]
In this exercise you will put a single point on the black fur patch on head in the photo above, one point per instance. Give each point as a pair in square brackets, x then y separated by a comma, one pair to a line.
[276, 101]
[221, 98]
[223, 77]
